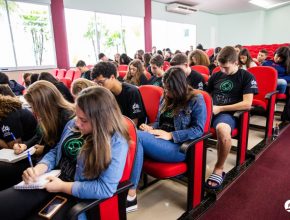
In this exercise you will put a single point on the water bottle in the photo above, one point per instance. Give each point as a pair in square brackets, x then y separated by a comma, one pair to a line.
[276, 131]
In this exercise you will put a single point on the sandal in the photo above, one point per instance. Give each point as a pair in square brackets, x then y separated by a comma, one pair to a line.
[215, 178]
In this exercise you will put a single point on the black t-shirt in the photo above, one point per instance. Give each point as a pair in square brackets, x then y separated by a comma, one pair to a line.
[196, 80]
[229, 89]
[130, 102]
[156, 81]
[86, 75]
[21, 123]
[70, 150]
[166, 121]
[143, 80]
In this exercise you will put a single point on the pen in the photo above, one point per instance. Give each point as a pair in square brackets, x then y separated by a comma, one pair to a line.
[15, 140]
[29, 159]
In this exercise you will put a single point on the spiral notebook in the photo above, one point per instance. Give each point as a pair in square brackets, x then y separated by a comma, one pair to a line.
[8, 155]
[40, 183]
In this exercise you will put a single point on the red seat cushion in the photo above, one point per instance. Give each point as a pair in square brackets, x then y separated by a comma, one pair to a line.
[259, 103]
[235, 132]
[163, 170]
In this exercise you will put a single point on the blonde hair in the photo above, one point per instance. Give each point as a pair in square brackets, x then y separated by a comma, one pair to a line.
[47, 103]
[135, 80]
[200, 57]
[79, 84]
[8, 104]
[102, 110]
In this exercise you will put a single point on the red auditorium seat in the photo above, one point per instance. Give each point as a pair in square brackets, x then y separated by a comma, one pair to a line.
[114, 207]
[70, 74]
[77, 74]
[216, 69]
[148, 75]
[54, 72]
[166, 65]
[151, 96]
[122, 74]
[194, 165]
[264, 101]
[123, 68]
[67, 82]
[61, 73]
[201, 69]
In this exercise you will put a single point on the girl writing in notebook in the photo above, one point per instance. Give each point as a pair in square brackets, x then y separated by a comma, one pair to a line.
[91, 155]
[52, 112]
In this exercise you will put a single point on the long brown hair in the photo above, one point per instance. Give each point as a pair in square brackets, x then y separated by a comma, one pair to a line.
[135, 80]
[200, 57]
[174, 81]
[8, 104]
[47, 103]
[102, 110]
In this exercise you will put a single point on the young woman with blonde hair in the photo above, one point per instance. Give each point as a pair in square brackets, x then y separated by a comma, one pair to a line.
[91, 155]
[135, 74]
[79, 84]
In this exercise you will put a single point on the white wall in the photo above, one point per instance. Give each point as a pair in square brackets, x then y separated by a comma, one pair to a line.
[205, 23]
[259, 27]
[118, 7]
[276, 25]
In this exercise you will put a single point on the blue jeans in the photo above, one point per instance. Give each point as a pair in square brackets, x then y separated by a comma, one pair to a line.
[281, 85]
[156, 149]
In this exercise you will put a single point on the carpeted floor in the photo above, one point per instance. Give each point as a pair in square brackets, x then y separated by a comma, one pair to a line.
[260, 193]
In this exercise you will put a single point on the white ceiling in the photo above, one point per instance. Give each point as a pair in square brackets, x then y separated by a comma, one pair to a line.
[220, 6]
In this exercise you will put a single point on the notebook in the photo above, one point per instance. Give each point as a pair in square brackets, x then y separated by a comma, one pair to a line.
[40, 183]
[8, 155]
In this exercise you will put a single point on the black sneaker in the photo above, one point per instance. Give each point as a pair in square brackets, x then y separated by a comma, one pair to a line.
[131, 206]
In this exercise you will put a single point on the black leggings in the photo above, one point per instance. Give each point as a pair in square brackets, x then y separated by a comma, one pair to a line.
[11, 173]
[25, 204]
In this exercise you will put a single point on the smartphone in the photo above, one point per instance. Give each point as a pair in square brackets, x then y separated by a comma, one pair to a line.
[52, 207]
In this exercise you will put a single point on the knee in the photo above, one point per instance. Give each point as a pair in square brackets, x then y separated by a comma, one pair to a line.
[223, 132]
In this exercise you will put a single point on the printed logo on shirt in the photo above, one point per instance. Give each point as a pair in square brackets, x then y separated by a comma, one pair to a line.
[254, 84]
[226, 86]
[6, 131]
[73, 146]
[200, 86]
[136, 108]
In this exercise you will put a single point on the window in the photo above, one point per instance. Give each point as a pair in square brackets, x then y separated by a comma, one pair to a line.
[183, 36]
[29, 40]
[101, 33]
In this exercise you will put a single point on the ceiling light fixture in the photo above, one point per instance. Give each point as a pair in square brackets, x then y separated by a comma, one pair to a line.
[267, 3]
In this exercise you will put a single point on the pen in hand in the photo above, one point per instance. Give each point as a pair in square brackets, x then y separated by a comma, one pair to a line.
[15, 140]
[29, 159]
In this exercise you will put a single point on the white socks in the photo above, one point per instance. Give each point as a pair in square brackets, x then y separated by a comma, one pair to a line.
[131, 198]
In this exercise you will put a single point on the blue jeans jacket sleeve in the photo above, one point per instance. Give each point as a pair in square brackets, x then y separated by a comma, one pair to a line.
[106, 184]
[51, 159]
[189, 124]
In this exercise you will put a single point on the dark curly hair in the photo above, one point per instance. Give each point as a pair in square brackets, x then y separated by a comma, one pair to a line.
[106, 69]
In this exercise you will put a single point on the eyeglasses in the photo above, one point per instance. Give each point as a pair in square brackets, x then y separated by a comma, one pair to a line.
[101, 82]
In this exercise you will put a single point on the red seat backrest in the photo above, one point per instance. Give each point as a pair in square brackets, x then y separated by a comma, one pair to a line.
[151, 97]
[66, 82]
[148, 75]
[77, 74]
[208, 103]
[266, 78]
[216, 69]
[201, 69]
[54, 72]
[123, 68]
[61, 73]
[70, 74]
[122, 74]
[166, 65]
[131, 151]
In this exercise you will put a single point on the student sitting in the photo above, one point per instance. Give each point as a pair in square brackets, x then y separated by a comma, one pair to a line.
[15, 87]
[91, 154]
[17, 125]
[262, 56]
[194, 79]
[156, 66]
[198, 57]
[59, 85]
[127, 96]
[181, 117]
[135, 74]
[85, 71]
[281, 63]
[232, 89]
[79, 84]
[245, 59]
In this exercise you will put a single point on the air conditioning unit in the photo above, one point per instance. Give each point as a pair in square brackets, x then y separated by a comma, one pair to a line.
[180, 8]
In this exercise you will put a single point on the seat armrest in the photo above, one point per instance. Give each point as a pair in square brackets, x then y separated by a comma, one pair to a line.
[239, 113]
[186, 145]
[86, 204]
[270, 94]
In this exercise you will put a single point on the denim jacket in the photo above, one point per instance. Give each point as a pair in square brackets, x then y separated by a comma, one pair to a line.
[190, 121]
[106, 184]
